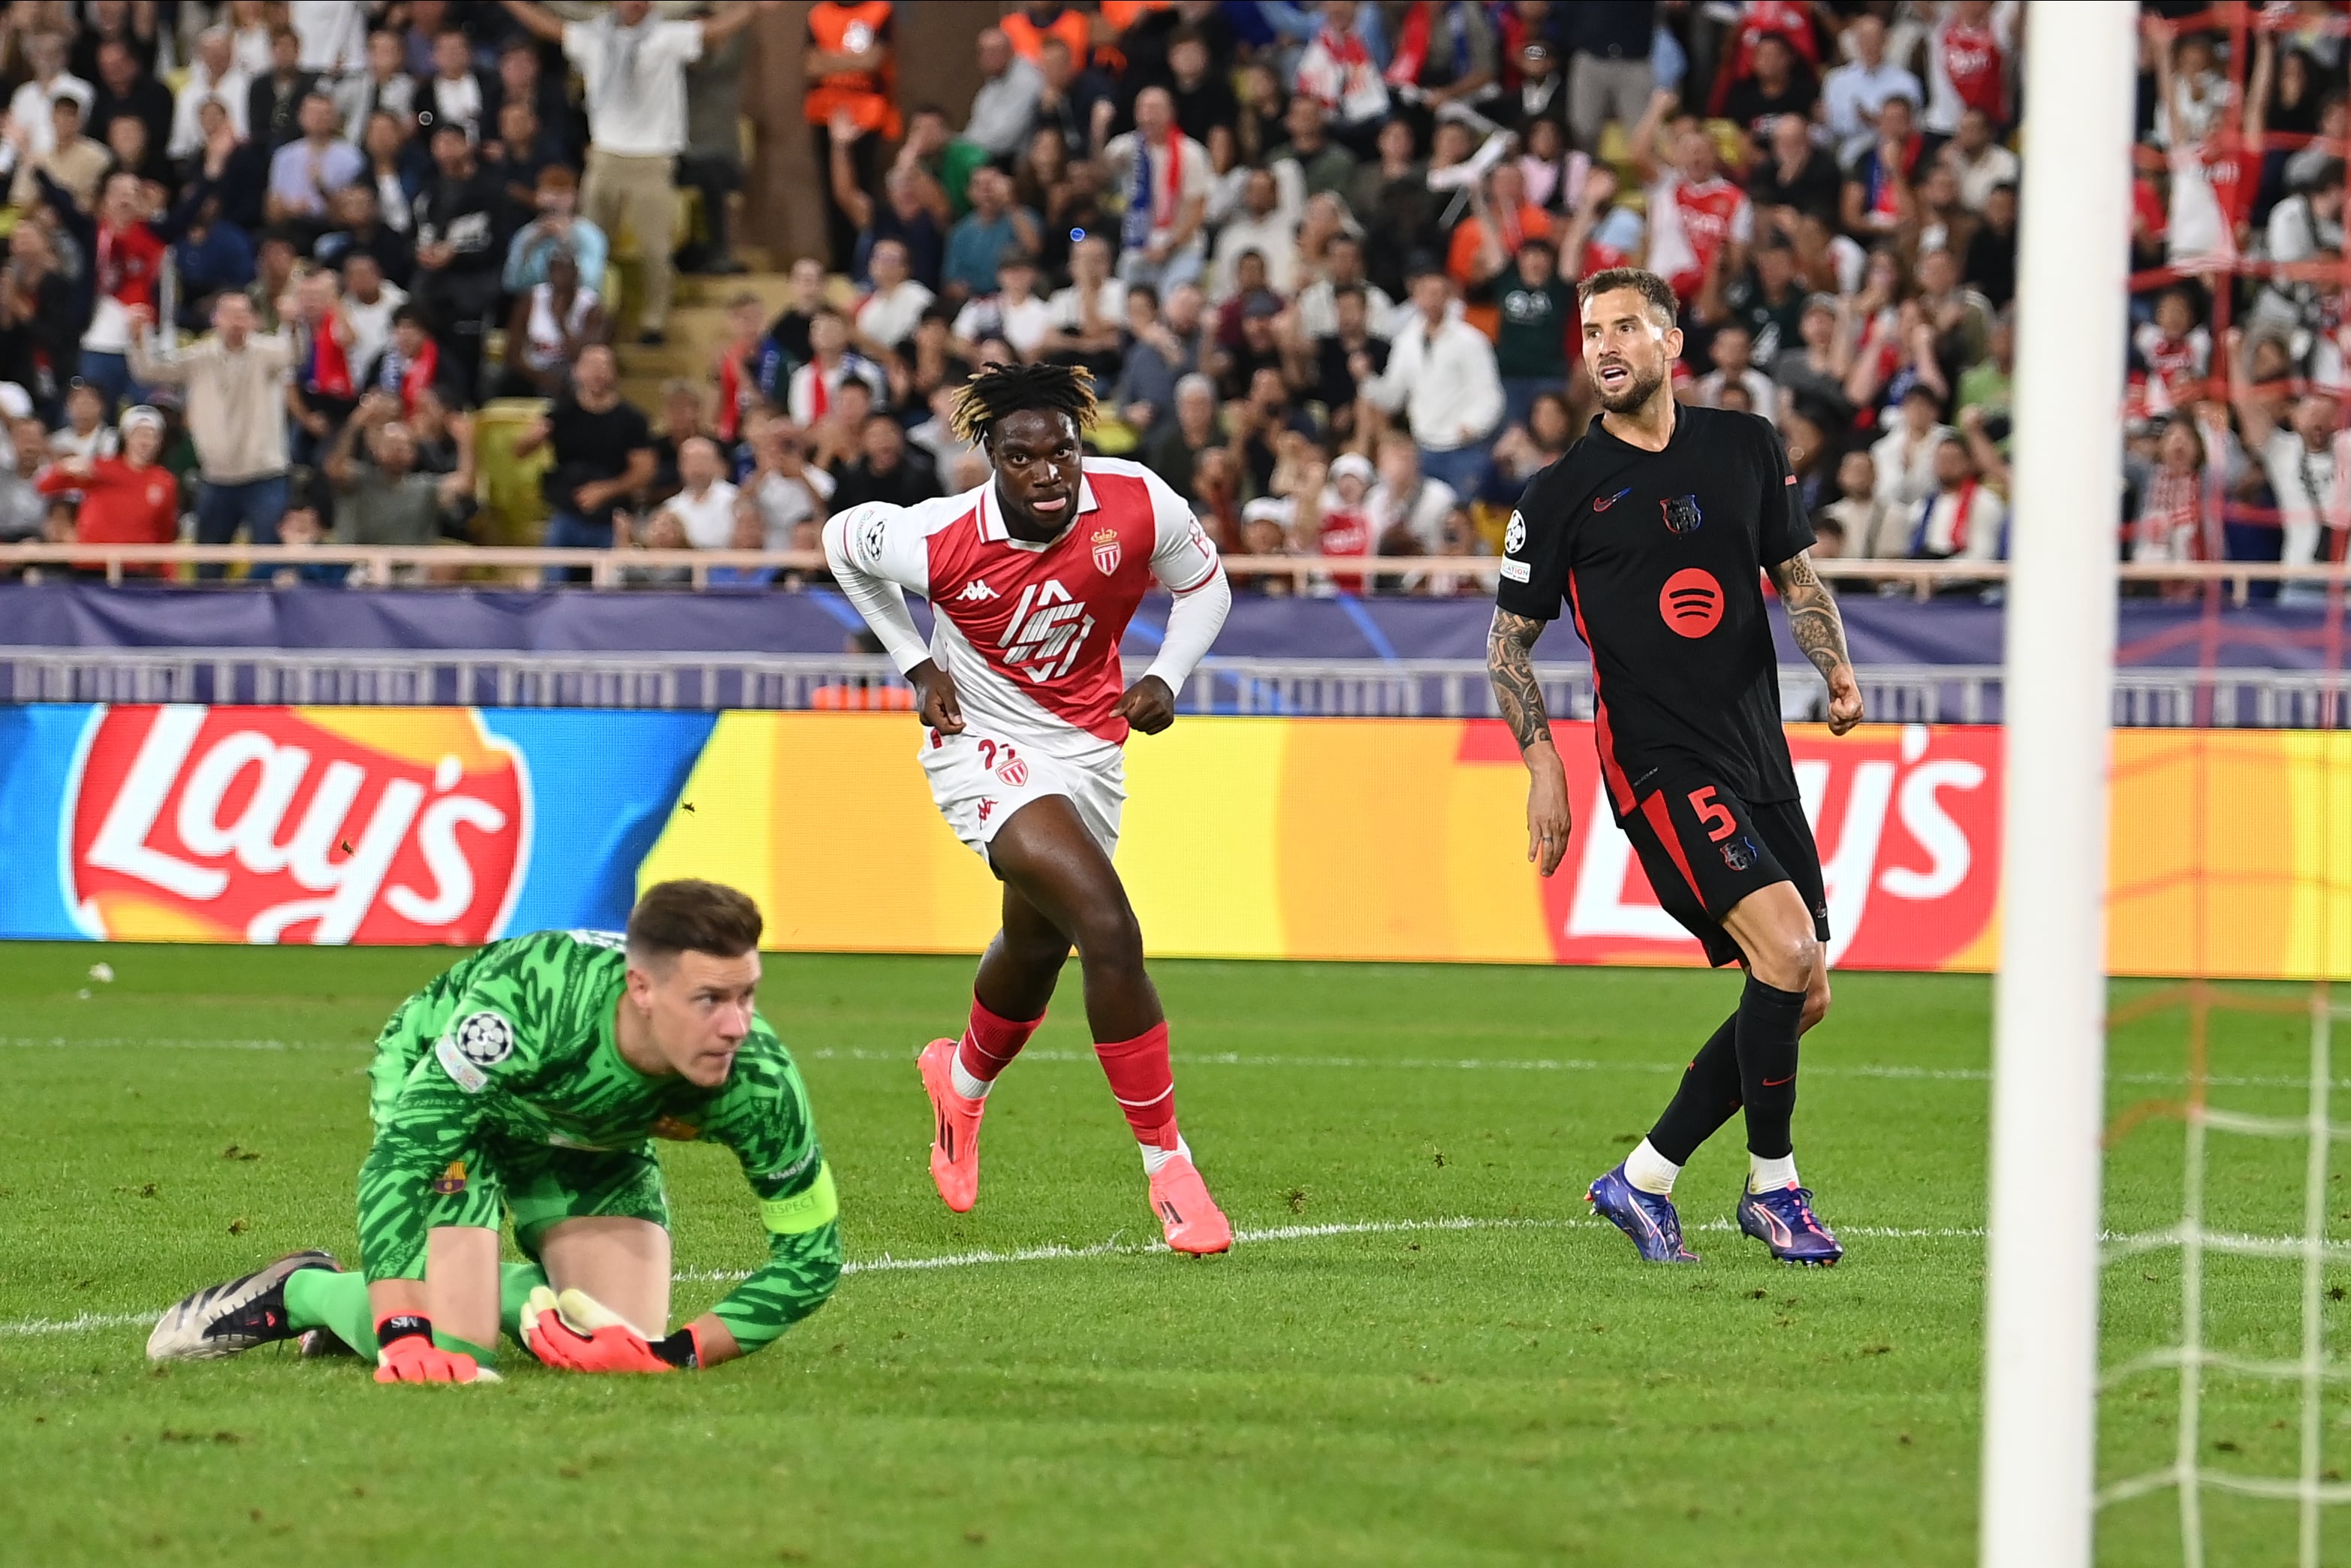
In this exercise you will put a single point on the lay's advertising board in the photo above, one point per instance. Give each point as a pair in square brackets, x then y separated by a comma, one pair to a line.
[1256, 838]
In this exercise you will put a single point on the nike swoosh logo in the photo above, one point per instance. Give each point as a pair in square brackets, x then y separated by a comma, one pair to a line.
[1775, 1082]
[1603, 504]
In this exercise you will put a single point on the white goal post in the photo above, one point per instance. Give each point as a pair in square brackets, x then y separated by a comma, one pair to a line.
[2049, 1010]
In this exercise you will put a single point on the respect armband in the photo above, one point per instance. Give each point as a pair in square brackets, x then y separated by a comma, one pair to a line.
[803, 1211]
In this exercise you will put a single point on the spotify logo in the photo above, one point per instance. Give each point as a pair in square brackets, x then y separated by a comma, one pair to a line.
[1691, 601]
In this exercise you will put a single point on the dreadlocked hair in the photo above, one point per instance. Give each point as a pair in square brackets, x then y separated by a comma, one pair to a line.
[998, 392]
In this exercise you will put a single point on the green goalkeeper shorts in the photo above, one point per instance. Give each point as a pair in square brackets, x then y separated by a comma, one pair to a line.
[494, 1176]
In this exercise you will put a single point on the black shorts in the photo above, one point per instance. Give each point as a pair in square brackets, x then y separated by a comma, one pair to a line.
[1705, 849]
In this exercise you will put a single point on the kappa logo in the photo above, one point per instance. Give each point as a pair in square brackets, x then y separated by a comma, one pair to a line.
[986, 809]
[1682, 515]
[1603, 503]
[976, 591]
[1047, 631]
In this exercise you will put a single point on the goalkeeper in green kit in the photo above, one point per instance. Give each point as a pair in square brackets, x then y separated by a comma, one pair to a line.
[529, 1081]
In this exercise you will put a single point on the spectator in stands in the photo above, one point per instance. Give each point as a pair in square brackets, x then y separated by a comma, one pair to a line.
[1441, 377]
[634, 65]
[705, 504]
[2170, 522]
[395, 177]
[455, 93]
[520, 153]
[1447, 53]
[1538, 311]
[409, 365]
[387, 499]
[1962, 519]
[983, 235]
[885, 318]
[37, 326]
[73, 162]
[2307, 457]
[1265, 225]
[829, 365]
[602, 452]
[1310, 163]
[125, 260]
[1795, 176]
[1854, 94]
[1166, 176]
[305, 172]
[1175, 447]
[1695, 214]
[1087, 316]
[1407, 507]
[323, 389]
[86, 433]
[28, 107]
[787, 495]
[713, 164]
[1781, 85]
[236, 415]
[1877, 197]
[369, 300]
[1904, 456]
[127, 89]
[1982, 163]
[1609, 73]
[212, 74]
[550, 325]
[124, 499]
[23, 511]
[887, 469]
[273, 100]
[851, 85]
[557, 226]
[1731, 350]
[1868, 525]
[1013, 311]
[460, 242]
[1005, 105]
[383, 86]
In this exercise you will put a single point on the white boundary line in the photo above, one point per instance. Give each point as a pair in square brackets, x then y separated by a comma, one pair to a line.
[1111, 1247]
[1239, 1058]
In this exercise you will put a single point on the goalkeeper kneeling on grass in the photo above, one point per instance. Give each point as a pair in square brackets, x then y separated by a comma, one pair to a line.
[529, 1079]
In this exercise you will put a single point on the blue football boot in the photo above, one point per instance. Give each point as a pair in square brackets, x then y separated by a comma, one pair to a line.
[1783, 1220]
[1648, 1217]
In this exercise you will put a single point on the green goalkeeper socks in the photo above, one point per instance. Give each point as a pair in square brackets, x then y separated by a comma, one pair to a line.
[515, 1282]
[322, 1299]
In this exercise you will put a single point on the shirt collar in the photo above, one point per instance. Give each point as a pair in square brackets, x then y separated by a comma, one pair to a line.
[991, 516]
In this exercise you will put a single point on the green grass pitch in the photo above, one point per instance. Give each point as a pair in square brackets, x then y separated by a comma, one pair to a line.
[1422, 1352]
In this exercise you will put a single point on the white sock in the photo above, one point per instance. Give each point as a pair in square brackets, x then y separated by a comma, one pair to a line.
[967, 1086]
[1770, 1176]
[1651, 1171]
[1155, 1159]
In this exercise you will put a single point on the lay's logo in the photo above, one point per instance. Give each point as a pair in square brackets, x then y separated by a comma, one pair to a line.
[320, 825]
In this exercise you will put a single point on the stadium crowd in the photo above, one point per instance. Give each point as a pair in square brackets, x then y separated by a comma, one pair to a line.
[1320, 260]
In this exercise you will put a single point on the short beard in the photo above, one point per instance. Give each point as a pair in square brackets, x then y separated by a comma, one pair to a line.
[1640, 390]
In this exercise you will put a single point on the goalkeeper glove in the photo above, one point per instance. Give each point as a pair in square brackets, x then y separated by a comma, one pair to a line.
[409, 1355]
[576, 1332]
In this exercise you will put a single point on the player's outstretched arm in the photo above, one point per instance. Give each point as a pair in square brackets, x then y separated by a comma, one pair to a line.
[1510, 666]
[1819, 631]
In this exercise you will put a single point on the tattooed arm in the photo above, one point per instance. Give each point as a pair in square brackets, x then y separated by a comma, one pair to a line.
[1510, 666]
[1819, 631]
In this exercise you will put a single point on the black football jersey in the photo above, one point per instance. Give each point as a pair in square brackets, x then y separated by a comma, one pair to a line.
[1658, 556]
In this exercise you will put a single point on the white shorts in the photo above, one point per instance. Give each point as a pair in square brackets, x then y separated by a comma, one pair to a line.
[980, 780]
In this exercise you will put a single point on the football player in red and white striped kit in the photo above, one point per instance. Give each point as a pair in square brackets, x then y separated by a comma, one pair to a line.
[1032, 579]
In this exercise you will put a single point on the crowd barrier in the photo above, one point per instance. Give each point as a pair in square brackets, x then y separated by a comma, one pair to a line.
[1268, 838]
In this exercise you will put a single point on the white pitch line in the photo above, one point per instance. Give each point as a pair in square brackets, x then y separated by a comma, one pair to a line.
[1112, 1247]
[1239, 1059]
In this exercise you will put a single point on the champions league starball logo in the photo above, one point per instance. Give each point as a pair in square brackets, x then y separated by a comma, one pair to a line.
[1514, 538]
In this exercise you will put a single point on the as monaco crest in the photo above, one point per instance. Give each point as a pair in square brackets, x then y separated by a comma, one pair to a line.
[320, 825]
[1106, 551]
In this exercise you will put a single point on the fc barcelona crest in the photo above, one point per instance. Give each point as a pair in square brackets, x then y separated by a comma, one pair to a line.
[1682, 515]
[1106, 553]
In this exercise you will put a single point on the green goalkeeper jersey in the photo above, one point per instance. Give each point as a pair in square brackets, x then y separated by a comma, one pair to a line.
[507, 1060]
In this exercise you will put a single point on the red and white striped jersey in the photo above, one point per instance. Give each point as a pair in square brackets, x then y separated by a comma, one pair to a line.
[1031, 631]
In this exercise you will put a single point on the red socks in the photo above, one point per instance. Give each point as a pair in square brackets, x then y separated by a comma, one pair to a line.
[1144, 1084]
[989, 1043]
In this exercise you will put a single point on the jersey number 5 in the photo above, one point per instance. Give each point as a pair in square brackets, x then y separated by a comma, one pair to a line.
[1712, 815]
